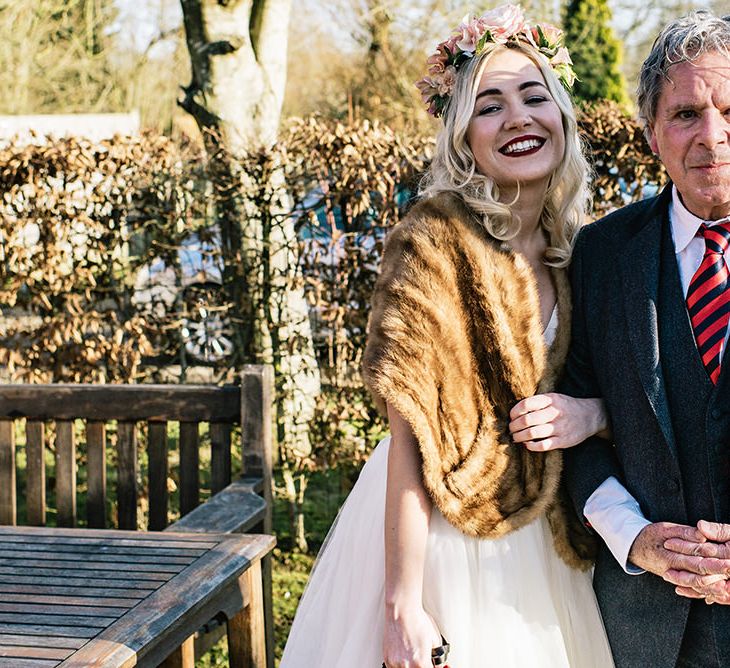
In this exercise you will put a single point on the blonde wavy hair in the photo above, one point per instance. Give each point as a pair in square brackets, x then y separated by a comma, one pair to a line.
[453, 168]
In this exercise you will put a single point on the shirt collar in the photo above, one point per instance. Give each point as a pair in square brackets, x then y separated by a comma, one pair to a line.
[684, 223]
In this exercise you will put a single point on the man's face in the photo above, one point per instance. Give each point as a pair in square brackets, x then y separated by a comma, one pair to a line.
[691, 133]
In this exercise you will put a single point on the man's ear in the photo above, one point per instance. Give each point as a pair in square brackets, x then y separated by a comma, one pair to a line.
[651, 138]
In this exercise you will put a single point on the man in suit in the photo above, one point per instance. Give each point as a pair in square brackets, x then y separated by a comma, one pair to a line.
[650, 326]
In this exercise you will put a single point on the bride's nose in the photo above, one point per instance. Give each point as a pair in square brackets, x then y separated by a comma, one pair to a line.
[518, 121]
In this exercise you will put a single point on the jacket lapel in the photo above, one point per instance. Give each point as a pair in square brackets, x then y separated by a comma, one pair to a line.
[640, 268]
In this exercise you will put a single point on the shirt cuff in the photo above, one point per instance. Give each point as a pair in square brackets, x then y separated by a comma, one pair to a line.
[617, 518]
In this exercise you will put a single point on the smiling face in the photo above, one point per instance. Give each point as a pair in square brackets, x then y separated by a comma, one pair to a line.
[691, 133]
[516, 131]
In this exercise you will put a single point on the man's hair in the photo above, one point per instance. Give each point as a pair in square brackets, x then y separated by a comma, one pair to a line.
[683, 40]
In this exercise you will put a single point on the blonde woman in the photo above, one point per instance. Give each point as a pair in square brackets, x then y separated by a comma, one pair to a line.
[457, 529]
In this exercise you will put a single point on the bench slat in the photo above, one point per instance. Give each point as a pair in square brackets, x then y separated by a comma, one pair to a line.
[7, 473]
[137, 403]
[189, 465]
[220, 456]
[96, 474]
[126, 475]
[65, 473]
[35, 471]
[158, 469]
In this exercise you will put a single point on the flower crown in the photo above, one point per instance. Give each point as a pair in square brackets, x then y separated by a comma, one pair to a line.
[503, 25]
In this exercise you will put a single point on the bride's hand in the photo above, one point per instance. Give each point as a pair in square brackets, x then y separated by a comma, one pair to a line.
[552, 421]
[408, 639]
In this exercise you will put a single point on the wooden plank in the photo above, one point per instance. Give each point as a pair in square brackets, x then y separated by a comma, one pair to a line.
[31, 652]
[189, 467]
[8, 500]
[158, 471]
[118, 596]
[220, 456]
[33, 663]
[111, 574]
[120, 561]
[136, 403]
[60, 612]
[143, 587]
[65, 473]
[82, 598]
[126, 475]
[257, 388]
[96, 474]
[98, 549]
[74, 567]
[20, 628]
[233, 510]
[92, 537]
[247, 629]
[35, 471]
[41, 641]
[256, 425]
[95, 621]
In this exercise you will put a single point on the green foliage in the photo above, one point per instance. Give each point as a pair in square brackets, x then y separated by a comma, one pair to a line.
[595, 51]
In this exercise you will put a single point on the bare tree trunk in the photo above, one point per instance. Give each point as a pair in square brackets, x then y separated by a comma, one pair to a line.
[238, 57]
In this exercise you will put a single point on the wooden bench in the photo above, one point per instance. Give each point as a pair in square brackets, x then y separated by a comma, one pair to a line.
[80, 422]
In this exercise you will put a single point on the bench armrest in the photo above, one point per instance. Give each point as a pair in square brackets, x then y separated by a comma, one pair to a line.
[235, 509]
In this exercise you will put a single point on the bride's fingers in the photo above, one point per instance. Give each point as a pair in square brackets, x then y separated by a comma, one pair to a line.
[534, 403]
[536, 433]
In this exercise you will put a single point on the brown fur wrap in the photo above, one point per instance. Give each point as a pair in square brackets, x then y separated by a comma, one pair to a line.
[455, 341]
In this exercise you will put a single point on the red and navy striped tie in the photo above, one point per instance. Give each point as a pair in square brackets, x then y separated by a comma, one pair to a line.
[708, 298]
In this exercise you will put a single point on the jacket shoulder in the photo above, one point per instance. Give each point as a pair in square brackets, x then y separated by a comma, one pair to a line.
[626, 221]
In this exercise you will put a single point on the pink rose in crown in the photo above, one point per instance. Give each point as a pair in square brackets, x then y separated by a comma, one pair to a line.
[468, 34]
[504, 22]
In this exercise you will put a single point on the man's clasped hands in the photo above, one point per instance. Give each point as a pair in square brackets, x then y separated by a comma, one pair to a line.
[695, 559]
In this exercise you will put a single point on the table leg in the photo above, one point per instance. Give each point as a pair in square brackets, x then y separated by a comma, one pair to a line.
[246, 629]
[182, 657]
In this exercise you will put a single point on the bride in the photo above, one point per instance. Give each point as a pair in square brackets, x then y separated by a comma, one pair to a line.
[457, 528]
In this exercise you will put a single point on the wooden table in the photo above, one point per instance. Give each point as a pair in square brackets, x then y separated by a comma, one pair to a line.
[80, 597]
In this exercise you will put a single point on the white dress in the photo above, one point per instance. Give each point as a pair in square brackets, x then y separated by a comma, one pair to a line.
[509, 602]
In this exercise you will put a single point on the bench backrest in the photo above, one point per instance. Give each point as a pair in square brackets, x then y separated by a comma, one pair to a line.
[82, 417]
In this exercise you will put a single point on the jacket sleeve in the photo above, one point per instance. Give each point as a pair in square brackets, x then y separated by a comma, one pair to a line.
[589, 464]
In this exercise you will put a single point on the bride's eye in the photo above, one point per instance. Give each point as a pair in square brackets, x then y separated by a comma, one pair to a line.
[536, 99]
[488, 109]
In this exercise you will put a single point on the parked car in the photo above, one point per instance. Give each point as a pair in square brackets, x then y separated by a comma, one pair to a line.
[195, 289]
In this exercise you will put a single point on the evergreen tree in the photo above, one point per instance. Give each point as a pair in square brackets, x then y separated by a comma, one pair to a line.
[595, 50]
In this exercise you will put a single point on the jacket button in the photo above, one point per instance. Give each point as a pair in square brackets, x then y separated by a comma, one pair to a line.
[673, 485]
[716, 413]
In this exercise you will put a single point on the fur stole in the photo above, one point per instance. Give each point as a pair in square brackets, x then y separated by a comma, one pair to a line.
[455, 341]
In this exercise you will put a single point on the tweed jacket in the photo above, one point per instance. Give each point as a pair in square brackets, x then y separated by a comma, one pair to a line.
[455, 341]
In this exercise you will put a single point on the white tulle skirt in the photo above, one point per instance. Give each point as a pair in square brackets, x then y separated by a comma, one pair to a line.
[506, 603]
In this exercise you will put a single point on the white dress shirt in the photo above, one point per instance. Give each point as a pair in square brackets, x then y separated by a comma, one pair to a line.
[611, 510]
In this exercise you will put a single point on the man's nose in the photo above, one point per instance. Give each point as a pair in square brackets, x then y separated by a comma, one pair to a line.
[714, 129]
